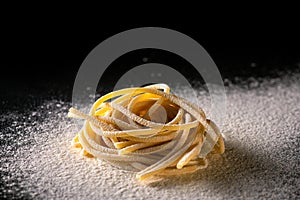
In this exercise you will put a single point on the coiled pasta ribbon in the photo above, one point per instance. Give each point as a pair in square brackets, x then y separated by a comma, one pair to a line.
[149, 130]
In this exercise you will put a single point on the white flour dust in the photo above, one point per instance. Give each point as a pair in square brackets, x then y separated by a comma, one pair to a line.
[261, 159]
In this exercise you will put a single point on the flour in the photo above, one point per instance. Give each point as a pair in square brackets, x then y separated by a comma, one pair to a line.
[261, 159]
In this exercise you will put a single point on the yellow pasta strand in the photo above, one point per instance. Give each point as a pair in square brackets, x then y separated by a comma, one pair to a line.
[148, 129]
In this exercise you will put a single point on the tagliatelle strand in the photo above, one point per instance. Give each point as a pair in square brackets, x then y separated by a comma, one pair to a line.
[149, 130]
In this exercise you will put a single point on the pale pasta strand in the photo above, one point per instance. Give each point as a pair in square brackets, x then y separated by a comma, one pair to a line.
[149, 130]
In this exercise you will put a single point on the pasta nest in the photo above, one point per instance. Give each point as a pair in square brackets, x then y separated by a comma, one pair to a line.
[148, 130]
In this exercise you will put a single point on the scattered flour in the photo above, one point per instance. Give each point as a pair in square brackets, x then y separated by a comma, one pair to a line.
[261, 160]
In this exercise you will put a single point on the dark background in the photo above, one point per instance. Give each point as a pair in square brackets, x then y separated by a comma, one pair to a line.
[42, 56]
[41, 53]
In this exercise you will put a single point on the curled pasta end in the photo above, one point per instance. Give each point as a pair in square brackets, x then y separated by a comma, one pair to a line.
[149, 130]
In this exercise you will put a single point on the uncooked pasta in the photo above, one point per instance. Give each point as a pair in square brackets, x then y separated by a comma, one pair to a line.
[148, 130]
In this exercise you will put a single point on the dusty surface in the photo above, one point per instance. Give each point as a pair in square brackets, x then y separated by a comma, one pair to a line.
[261, 160]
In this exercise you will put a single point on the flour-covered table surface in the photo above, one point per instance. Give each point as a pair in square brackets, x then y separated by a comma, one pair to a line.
[261, 160]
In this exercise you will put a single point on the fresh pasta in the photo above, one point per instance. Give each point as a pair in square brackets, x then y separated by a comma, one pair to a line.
[148, 130]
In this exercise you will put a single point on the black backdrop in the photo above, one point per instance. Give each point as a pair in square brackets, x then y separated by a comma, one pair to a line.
[41, 52]
[41, 55]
